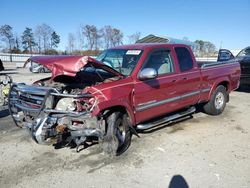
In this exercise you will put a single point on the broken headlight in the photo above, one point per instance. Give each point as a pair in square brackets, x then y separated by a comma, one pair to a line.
[66, 104]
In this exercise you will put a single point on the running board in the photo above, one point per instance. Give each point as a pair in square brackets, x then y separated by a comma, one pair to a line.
[167, 119]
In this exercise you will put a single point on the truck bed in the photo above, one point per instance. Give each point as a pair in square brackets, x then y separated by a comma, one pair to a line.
[204, 64]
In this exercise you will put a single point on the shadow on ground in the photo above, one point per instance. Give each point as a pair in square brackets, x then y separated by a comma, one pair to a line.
[4, 113]
[178, 181]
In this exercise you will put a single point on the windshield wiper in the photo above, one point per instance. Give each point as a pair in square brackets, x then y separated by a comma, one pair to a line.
[98, 74]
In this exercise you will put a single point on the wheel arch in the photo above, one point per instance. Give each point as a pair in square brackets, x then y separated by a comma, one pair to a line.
[225, 83]
[120, 108]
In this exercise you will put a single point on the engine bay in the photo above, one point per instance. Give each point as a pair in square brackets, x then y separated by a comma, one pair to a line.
[74, 85]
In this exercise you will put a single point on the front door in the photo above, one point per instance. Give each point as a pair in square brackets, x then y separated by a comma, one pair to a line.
[157, 96]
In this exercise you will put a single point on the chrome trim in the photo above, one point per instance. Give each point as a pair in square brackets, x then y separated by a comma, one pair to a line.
[205, 65]
[147, 73]
[190, 94]
[32, 97]
[68, 113]
[33, 100]
[205, 90]
[71, 96]
[34, 91]
[151, 105]
[142, 107]
[39, 137]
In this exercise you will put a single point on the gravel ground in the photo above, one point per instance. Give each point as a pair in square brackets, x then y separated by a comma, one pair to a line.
[204, 151]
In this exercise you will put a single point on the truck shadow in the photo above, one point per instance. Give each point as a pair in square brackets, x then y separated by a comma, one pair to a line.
[4, 113]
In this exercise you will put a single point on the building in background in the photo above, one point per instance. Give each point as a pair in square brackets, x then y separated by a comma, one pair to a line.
[159, 39]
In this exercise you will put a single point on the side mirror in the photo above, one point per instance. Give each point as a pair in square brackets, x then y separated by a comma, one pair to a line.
[147, 73]
[224, 55]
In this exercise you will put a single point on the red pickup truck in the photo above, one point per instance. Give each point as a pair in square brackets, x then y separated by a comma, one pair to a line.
[124, 90]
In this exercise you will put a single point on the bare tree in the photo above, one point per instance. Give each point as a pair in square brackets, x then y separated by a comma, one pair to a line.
[38, 37]
[107, 36]
[93, 36]
[117, 37]
[210, 48]
[17, 41]
[134, 37]
[7, 36]
[71, 42]
[80, 38]
[205, 48]
[88, 31]
[43, 34]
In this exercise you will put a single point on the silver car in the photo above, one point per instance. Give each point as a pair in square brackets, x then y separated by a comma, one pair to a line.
[37, 68]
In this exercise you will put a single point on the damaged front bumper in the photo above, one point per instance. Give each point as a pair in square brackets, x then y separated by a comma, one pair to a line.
[35, 108]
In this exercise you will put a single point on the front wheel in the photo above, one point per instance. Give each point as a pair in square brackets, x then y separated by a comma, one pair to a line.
[217, 103]
[118, 134]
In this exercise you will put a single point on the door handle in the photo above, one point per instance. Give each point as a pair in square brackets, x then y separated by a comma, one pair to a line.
[185, 78]
[174, 80]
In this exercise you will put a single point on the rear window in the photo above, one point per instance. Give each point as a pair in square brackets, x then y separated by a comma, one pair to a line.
[184, 58]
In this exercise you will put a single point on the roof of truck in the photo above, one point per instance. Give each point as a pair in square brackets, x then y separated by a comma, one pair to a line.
[147, 45]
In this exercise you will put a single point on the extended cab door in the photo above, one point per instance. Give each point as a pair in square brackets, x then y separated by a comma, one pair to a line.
[189, 85]
[156, 96]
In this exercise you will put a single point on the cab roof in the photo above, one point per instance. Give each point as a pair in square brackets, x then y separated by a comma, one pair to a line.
[143, 46]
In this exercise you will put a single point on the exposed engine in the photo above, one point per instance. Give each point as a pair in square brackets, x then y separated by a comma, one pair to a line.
[58, 111]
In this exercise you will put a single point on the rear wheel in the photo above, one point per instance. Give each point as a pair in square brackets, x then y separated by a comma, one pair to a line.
[118, 135]
[217, 103]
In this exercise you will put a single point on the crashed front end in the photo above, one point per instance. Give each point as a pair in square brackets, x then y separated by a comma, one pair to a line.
[53, 116]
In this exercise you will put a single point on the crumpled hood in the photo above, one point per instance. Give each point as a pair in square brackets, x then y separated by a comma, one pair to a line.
[69, 65]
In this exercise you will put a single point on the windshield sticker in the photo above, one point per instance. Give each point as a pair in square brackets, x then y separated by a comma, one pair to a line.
[133, 52]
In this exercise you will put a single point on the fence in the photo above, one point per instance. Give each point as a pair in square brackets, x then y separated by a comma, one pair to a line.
[7, 57]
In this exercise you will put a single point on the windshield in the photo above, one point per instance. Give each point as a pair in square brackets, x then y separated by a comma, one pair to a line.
[122, 60]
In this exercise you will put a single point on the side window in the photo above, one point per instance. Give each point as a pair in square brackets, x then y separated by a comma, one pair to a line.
[184, 59]
[161, 61]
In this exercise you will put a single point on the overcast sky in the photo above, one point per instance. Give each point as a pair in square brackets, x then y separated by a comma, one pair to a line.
[225, 23]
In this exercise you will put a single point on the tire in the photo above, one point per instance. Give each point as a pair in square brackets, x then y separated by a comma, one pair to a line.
[41, 70]
[118, 135]
[217, 103]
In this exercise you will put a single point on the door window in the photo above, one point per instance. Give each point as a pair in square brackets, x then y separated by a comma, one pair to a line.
[161, 61]
[184, 58]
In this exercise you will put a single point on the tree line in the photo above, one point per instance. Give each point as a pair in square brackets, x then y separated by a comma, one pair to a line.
[42, 40]
[205, 48]
[87, 40]
[91, 39]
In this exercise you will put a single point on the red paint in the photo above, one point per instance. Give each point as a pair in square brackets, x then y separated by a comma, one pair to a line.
[68, 65]
[129, 92]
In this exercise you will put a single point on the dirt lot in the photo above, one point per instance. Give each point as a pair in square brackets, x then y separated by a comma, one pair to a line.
[206, 151]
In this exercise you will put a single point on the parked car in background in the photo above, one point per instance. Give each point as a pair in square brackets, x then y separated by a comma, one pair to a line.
[38, 68]
[243, 57]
